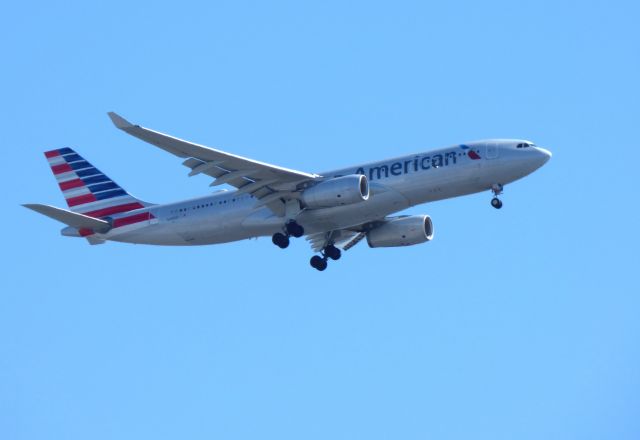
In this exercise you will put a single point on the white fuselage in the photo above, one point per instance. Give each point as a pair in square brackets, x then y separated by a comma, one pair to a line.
[395, 184]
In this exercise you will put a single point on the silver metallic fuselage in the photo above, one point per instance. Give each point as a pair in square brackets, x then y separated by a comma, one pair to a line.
[395, 184]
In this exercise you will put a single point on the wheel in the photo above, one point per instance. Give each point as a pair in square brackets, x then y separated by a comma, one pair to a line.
[280, 240]
[318, 262]
[294, 229]
[496, 203]
[332, 252]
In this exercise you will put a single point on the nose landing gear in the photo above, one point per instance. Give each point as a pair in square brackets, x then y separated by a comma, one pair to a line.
[496, 189]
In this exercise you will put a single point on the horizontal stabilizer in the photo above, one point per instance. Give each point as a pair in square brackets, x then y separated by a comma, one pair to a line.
[73, 219]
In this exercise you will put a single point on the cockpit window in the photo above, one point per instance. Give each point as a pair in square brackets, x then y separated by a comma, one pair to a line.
[525, 145]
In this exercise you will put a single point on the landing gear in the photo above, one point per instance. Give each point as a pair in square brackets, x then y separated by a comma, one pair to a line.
[280, 240]
[329, 252]
[496, 189]
[291, 229]
[332, 252]
[294, 229]
[318, 262]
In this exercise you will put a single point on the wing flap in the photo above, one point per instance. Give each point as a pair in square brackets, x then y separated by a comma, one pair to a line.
[233, 177]
[343, 238]
[201, 167]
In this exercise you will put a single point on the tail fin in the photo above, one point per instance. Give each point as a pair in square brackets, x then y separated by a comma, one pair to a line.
[86, 189]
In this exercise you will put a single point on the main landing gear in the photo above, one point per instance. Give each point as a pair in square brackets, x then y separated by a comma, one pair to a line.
[496, 189]
[280, 240]
[291, 229]
[320, 262]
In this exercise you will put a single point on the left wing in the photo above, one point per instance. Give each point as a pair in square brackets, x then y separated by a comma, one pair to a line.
[266, 182]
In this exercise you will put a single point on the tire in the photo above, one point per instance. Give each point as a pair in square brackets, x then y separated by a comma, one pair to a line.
[280, 240]
[332, 252]
[295, 230]
[496, 203]
[318, 263]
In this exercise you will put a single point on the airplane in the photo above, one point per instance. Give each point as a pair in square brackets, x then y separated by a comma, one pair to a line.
[335, 210]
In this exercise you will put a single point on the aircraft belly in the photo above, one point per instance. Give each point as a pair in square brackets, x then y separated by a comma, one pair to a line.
[157, 234]
[443, 183]
[205, 229]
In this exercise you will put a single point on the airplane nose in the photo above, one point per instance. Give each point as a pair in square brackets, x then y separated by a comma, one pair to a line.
[545, 155]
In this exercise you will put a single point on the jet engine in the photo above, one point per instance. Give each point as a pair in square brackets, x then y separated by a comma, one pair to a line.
[401, 231]
[338, 191]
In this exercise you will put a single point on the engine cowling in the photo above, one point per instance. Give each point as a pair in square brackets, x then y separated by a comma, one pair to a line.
[338, 191]
[401, 231]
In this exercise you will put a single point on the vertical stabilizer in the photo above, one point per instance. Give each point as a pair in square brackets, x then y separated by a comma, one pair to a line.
[86, 189]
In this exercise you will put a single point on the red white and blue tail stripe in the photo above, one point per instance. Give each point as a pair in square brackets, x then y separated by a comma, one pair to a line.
[86, 189]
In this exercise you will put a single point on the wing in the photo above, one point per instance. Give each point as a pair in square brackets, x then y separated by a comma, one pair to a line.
[266, 182]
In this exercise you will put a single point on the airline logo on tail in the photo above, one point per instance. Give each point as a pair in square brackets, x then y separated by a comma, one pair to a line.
[85, 188]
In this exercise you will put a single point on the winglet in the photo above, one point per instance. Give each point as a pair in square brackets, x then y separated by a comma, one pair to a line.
[119, 121]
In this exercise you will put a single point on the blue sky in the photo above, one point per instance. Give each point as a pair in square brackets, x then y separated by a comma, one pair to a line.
[519, 323]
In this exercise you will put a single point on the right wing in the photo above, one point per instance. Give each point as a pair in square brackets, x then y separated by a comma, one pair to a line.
[269, 183]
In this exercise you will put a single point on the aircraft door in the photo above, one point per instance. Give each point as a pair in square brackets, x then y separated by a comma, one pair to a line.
[492, 150]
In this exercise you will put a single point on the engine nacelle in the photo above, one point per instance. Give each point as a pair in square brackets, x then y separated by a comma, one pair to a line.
[338, 191]
[401, 231]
